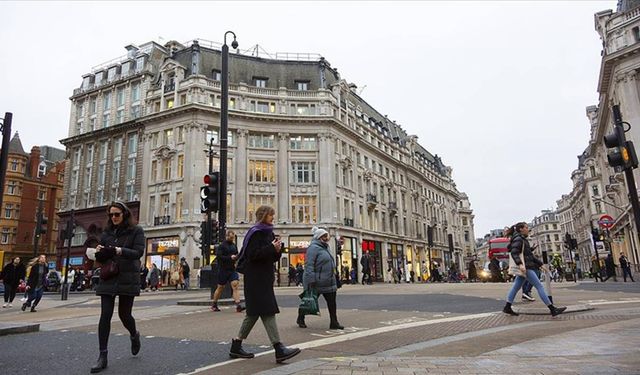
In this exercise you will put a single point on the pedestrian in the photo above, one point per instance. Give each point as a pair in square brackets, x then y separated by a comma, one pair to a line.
[299, 274]
[320, 275]
[122, 244]
[13, 275]
[624, 264]
[68, 279]
[610, 267]
[400, 274]
[473, 272]
[36, 282]
[144, 273]
[519, 245]
[260, 250]
[496, 271]
[354, 276]
[595, 269]
[176, 277]
[154, 278]
[365, 262]
[388, 276]
[186, 274]
[226, 256]
[291, 275]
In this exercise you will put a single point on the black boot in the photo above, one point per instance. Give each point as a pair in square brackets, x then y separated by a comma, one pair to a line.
[283, 353]
[237, 351]
[135, 343]
[335, 325]
[556, 310]
[101, 364]
[300, 321]
[508, 310]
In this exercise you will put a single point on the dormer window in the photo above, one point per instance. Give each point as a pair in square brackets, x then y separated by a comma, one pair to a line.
[139, 64]
[125, 68]
[260, 81]
[42, 169]
[99, 77]
[111, 74]
[302, 85]
[216, 75]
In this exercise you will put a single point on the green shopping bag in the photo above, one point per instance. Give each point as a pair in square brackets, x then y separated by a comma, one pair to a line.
[309, 302]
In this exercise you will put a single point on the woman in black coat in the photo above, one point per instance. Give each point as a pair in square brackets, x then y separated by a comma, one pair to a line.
[12, 275]
[123, 244]
[260, 250]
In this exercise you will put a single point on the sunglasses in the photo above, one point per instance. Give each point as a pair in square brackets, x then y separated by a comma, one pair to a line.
[115, 214]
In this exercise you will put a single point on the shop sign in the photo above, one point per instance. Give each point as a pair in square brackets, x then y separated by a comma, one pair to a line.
[299, 244]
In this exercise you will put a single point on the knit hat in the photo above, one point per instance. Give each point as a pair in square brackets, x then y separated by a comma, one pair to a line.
[318, 232]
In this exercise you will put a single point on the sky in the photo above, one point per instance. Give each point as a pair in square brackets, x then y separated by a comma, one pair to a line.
[497, 89]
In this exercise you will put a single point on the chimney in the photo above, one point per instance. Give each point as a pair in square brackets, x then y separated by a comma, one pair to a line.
[34, 161]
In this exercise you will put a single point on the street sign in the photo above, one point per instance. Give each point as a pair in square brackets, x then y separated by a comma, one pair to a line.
[606, 221]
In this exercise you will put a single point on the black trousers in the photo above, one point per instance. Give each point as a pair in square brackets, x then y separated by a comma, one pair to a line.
[331, 305]
[125, 305]
[9, 292]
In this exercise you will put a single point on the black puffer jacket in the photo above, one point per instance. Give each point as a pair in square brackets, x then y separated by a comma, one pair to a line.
[132, 241]
[516, 246]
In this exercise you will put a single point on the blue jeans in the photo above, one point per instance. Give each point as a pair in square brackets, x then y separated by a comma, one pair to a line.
[533, 279]
[527, 286]
[35, 295]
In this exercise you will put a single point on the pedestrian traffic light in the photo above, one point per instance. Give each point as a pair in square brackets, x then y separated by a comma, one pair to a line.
[595, 233]
[215, 233]
[204, 237]
[210, 193]
[623, 152]
[41, 225]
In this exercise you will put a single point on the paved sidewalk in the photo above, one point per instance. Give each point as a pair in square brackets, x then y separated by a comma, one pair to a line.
[612, 348]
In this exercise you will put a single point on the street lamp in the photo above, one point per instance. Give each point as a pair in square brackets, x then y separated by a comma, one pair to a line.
[224, 117]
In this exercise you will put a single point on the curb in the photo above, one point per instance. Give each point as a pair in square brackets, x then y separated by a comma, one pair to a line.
[545, 311]
[17, 328]
[208, 302]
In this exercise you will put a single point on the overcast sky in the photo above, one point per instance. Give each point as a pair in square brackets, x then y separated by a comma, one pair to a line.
[497, 89]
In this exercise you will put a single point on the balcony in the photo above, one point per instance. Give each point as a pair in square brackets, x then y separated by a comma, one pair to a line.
[162, 220]
[169, 87]
[393, 208]
[372, 201]
[348, 222]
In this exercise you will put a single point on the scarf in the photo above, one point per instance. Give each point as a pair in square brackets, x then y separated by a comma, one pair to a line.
[259, 227]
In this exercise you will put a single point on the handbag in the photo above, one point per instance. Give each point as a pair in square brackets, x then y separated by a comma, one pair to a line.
[109, 270]
[514, 269]
[309, 302]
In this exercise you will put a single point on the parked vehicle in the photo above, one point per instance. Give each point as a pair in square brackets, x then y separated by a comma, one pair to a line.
[53, 281]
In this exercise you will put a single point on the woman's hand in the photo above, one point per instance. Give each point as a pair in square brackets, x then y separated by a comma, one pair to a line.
[118, 251]
[99, 247]
[277, 244]
[523, 269]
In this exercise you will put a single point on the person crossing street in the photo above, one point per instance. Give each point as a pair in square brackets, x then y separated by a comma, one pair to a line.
[227, 254]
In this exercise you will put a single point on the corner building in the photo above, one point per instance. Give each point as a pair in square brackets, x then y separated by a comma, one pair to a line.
[300, 139]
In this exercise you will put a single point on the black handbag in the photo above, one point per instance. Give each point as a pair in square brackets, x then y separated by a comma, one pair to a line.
[109, 270]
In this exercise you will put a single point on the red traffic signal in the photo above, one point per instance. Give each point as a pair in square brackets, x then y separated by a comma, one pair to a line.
[210, 194]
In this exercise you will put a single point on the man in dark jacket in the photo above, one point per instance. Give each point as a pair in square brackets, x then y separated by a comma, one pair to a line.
[226, 255]
[610, 268]
[12, 275]
[626, 267]
[36, 282]
[186, 272]
[365, 262]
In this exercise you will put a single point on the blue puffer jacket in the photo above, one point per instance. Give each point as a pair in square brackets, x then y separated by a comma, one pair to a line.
[319, 268]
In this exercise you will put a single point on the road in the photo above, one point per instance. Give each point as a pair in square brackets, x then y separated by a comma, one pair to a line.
[448, 320]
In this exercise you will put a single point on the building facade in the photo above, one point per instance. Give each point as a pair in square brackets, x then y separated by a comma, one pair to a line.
[547, 236]
[300, 139]
[33, 184]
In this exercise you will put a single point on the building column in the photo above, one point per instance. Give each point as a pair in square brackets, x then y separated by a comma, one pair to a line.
[283, 178]
[327, 182]
[241, 177]
[144, 185]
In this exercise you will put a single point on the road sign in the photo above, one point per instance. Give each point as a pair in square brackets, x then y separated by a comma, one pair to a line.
[606, 221]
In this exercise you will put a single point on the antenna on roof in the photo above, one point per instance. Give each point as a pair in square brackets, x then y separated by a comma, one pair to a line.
[361, 90]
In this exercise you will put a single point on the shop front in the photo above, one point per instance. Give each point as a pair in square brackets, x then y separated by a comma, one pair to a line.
[164, 252]
[298, 249]
[374, 248]
[346, 257]
[395, 257]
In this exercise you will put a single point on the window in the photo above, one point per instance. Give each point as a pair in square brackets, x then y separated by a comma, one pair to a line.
[180, 166]
[89, 154]
[115, 173]
[464, 221]
[592, 170]
[102, 175]
[8, 209]
[303, 172]
[117, 147]
[261, 140]
[93, 106]
[262, 171]
[154, 171]
[302, 109]
[131, 169]
[180, 134]
[125, 69]
[135, 111]
[165, 204]
[42, 169]
[303, 208]
[106, 101]
[98, 79]
[5, 236]
[14, 165]
[302, 143]
[598, 207]
[120, 96]
[595, 190]
[260, 82]
[135, 92]
[216, 75]
[168, 137]
[263, 107]
[111, 74]
[636, 34]
[139, 64]
[12, 188]
[166, 169]
[256, 201]
[302, 85]
[132, 143]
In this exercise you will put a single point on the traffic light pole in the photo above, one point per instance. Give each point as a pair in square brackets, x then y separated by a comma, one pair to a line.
[38, 231]
[5, 127]
[68, 235]
[628, 173]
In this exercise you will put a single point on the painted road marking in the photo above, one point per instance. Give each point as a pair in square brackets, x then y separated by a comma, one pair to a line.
[352, 336]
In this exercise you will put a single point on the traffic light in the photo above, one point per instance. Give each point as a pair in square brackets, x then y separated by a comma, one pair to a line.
[595, 233]
[41, 224]
[215, 233]
[204, 237]
[210, 193]
[623, 153]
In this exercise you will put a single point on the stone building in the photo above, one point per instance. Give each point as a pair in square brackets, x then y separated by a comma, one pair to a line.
[300, 139]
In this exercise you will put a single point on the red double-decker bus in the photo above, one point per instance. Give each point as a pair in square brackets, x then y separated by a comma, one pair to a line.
[498, 248]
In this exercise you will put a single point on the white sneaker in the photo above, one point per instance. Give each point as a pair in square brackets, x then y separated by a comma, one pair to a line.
[5, 305]
[11, 305]
[23, 299]
[528, 297]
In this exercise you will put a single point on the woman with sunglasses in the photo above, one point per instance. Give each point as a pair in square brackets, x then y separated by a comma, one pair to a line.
[122, 243]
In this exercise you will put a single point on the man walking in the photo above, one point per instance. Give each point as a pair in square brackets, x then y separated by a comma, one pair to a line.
[186, 273]
[610, 268]
[365, 262]
[226, 256]
[626, 267]
[595, 269]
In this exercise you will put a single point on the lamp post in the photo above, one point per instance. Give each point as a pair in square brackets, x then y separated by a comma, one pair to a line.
[224, 117]
[68, 236]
